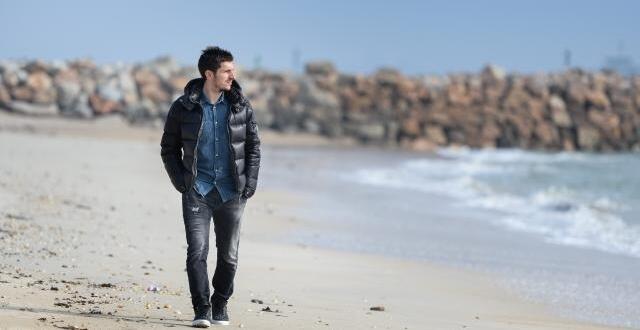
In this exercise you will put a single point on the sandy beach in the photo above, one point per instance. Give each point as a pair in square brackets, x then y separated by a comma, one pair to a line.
[92, 237]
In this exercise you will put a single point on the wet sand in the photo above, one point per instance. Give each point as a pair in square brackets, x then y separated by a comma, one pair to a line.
[92, 237]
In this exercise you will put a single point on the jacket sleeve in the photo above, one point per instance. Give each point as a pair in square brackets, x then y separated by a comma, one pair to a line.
[252, 155]
[171, 149]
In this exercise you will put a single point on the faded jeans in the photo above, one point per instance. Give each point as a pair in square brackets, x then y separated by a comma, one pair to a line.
[197, 212]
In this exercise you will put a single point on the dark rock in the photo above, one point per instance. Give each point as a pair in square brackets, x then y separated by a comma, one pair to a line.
[320, 68]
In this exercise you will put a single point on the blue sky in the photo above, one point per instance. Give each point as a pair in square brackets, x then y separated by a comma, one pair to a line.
[358, 36]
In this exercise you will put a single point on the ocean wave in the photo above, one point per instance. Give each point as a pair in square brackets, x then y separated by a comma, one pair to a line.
[518, 155]
[535, 192]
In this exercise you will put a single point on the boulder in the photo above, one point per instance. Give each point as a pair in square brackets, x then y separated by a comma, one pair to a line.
[423, 145]
[320, 68]
[559, 114]
[5, 97]
[33, 109]
[103, 106]
[588, 137]
[367, 132]
[436, 134]
[547, 135]
[492, 73]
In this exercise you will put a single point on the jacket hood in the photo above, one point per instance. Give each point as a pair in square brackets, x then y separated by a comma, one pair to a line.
[193, 89]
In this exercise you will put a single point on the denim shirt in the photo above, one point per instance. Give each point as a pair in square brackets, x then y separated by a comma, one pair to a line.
[214, 157]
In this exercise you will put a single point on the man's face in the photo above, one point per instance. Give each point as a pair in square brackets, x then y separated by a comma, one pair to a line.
[224, 76]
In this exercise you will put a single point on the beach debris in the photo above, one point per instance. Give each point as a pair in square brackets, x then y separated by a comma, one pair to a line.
[69, 327]
[51, 253]
[42, 319]
[257, 301]
[76, 205]
[377, 308]
[268, 309]
[327, 324]
[153, 288]
[12, 216]
[62, 304]
[103, 285]
[95, 310]
[35, 282]
[53, 288]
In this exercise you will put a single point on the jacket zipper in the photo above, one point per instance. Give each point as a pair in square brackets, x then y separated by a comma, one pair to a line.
[194, 167]
[233, 153]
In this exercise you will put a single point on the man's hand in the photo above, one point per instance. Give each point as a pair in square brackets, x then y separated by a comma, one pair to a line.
[247, 193]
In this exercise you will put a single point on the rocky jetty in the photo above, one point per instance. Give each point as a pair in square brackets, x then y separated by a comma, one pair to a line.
[570, 110]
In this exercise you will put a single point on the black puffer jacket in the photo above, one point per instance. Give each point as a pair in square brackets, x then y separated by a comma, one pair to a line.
[182, 129]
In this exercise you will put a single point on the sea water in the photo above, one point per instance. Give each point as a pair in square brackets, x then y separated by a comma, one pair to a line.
[588, 200]
[558, 228]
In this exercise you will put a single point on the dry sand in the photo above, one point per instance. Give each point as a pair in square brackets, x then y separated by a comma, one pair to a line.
[92, 237]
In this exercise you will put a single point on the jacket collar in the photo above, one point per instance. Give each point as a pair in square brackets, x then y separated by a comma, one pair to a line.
[193, 89]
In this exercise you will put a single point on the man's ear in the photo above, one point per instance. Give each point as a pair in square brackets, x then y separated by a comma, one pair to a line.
[209, 75]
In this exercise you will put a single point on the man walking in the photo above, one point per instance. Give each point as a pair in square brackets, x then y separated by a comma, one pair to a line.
[211, 151]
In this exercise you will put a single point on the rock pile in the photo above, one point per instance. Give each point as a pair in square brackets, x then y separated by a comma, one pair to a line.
[83, 89]
[571, 110]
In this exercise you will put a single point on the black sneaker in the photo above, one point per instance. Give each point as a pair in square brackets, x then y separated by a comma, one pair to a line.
[219, 313]
[202, 318]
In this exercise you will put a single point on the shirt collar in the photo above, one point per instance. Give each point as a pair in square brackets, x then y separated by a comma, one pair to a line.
[205, 99]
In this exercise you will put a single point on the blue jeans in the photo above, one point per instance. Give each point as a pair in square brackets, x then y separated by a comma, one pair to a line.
[197, 212]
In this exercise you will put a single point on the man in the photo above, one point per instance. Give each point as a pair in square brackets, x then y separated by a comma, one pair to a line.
[211, 151]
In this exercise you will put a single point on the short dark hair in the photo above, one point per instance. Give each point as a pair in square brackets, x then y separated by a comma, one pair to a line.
[211, 58]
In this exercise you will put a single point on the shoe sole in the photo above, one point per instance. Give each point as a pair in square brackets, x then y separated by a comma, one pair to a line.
[220, 322]
[200, 324]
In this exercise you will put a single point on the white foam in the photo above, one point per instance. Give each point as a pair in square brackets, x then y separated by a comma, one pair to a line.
[554, 211]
